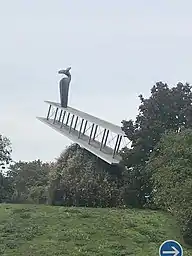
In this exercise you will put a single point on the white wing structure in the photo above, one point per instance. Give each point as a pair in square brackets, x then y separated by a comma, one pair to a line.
[101, 138]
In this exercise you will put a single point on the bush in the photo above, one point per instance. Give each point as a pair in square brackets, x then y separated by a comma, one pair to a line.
[171, 168]
[38, 195]
[77, 180]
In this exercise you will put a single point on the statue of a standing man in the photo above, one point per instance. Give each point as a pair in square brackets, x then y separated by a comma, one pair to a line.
[64, 87]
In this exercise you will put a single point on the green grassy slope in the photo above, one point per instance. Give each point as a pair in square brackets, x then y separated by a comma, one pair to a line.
[29, 230]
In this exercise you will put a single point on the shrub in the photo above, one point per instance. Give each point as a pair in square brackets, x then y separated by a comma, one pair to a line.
[171, 168]
[76, 180]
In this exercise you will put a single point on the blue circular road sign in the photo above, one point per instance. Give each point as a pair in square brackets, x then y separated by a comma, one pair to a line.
[170, 248]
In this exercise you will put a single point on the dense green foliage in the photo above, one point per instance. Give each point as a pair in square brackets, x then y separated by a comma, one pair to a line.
[166, 109]
[77, 179]
[171, 169]
[6, 189]
[5, 151]
[45, 230]
[29, 181]
[5, 158]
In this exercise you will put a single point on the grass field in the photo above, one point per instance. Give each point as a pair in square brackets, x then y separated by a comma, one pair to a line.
[30, 230]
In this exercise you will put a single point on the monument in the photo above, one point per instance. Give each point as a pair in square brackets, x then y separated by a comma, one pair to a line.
[64, 87]
[99, 137]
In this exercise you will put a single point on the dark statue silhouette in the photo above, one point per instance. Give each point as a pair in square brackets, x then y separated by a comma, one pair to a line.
[64, 87]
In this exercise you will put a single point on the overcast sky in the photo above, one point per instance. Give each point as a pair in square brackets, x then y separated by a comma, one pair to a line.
[117, 50]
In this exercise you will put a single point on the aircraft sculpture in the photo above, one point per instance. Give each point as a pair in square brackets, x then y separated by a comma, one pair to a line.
[98, 136]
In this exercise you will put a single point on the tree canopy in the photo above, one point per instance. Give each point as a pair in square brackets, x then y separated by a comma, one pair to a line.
[29, 181]
[166, 109]
[5, 151]
[79, 179]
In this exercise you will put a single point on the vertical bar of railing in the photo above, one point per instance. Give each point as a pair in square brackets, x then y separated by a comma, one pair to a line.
[106, 138]
[76, 122]
[102, 139]
[114, 151]
[55, 115]
[67, 118]
[80, 128]
[91, 133]
[48, 112]
[63, 119]
[119, 144]
[71, 123]
[85, 127]
[60, 115]
[95, 132]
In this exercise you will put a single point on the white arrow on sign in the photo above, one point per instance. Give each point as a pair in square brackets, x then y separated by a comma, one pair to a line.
[175, 252]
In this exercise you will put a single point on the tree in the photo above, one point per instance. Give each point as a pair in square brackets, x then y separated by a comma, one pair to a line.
[166, 109]
[29, 180]
[79, 179]
[5, 158]
[5, 151]
[6, 189]
[171, 168]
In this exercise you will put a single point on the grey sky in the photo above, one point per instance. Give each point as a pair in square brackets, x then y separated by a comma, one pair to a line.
[117, 50]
